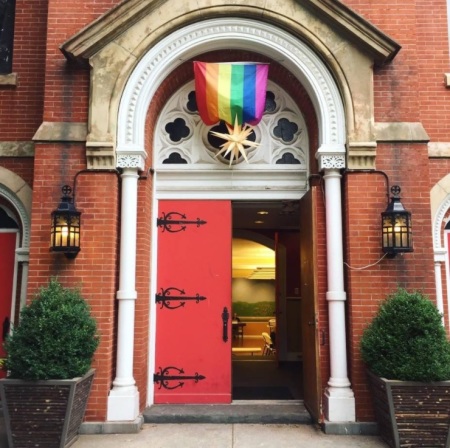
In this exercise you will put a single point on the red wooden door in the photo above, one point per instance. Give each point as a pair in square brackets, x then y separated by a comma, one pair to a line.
[193, 326]
[7, 257]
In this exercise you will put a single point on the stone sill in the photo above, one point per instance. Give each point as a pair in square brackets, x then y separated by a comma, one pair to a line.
[8, 80]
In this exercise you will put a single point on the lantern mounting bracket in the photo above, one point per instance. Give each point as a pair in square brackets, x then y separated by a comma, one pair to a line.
[66, 220]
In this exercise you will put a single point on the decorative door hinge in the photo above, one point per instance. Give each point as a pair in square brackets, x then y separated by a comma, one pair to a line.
[176, 222]
[163, 377]
[165, 299]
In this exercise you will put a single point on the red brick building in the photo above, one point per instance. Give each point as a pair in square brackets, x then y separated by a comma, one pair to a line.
[98, 95]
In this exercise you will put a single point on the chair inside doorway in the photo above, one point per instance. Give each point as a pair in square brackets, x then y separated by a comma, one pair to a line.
[259, 376]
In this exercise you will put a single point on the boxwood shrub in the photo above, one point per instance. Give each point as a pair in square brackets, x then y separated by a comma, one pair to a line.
[56, 337]
[406, 340]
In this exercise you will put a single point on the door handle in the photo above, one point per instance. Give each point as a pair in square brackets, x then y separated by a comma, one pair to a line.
[225, 317]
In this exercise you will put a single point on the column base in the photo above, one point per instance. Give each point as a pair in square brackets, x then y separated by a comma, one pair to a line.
[123, 405]
[339, 405]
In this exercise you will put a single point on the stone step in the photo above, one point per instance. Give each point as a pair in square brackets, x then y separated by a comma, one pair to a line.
[244, 411]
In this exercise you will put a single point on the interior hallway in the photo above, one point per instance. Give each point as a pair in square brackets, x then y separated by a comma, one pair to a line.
[259, 377]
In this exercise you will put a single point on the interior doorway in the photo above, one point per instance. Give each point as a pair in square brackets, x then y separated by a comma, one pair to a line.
[266, 302]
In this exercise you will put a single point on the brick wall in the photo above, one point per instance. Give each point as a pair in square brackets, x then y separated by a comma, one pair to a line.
[411, 88]
[22, 166]
[66, 84]
[408, 89]
[365, 196]
[94, 269]
[21, 105]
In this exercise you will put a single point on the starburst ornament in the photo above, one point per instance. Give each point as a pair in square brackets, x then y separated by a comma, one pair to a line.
[236, 139]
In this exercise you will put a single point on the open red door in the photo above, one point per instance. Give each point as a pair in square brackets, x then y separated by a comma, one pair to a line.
[193, 322]
[8, 250]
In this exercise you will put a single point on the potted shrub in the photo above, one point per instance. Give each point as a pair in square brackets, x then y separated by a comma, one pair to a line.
[407, 353]
[49, 356]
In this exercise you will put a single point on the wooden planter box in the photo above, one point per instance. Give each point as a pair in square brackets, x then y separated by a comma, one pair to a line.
[412, 414]
[44, 413]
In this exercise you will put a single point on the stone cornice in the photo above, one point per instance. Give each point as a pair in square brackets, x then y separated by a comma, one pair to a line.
[16, 149]
[401, 132]
[8, 80]
[61, 132]
[108, 27]
[357, 29]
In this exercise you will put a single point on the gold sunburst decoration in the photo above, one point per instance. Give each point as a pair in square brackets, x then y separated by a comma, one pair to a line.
[236, 140]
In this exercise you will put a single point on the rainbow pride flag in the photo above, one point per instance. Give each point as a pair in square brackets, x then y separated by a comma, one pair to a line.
[226, 91]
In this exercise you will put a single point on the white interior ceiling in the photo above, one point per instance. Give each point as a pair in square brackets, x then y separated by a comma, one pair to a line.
[252, 260]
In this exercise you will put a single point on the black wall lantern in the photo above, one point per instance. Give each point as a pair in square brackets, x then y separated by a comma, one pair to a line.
[65, 235]
[396, 226]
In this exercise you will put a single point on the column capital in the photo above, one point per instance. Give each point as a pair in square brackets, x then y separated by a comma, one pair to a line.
[131, 160]
[331, 156]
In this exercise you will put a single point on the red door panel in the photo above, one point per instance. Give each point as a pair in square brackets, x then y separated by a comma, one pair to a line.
[193, 361]
[7, 257]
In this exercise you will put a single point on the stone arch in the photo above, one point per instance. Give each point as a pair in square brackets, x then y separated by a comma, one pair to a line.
[16, 191]
[223, 33]
[440, 204]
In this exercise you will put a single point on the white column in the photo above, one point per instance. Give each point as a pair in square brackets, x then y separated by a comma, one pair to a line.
[23, 255]
[439, 260]
[339, 397]
[123, 401]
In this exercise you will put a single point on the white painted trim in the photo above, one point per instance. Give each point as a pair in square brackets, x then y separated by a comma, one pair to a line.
[443, 257]
[153, 284]
[440, 250]
[15, 190]
[340, 400]
[262, 176]
[123, 399]
[21, 209]
[14, 288]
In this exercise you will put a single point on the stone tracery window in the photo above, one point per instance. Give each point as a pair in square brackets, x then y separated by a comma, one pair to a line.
[184, 148]
[282, 133]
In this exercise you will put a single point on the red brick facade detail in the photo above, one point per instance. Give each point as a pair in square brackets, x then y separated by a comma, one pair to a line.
[49, 88]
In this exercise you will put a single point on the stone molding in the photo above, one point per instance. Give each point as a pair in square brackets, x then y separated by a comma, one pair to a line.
[439, 149]
[143, 82]
[61, 132]
[440, 204]
[361, 155]
[15, 190]
[8, 80]
[111, 25]
[100, 155]
[401, 132]
[16, 149]
[121, 39]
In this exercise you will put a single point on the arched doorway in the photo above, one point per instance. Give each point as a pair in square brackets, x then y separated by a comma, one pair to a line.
[440, 212]
[202, 185]
[15, 205]
[9, 241]
[132, 50]
[314, 76]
